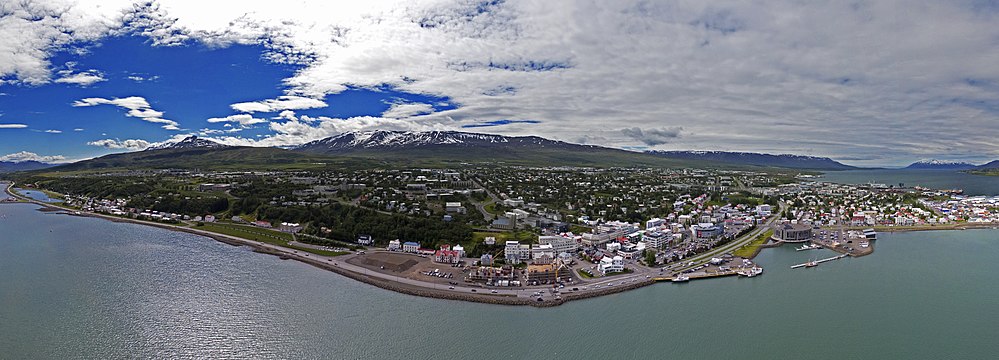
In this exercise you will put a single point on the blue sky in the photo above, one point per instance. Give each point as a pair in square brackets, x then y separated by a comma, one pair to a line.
[863, 82]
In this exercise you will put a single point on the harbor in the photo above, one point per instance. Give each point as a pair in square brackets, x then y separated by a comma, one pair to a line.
[815, 263]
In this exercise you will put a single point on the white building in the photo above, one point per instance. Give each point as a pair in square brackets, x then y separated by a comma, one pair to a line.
[543, 250]
[411, 247]
[613, 246]
[654, 223]
[561, 244]
[611, 265]
[454, 207]
[395, 245]
[460, 250]
[515, 252]
[656, 239]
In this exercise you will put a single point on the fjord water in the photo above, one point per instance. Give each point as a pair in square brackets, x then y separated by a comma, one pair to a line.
[77, 287]
[934, 179]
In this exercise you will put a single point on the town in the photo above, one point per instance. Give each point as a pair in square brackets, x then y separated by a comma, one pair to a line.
[523, 233]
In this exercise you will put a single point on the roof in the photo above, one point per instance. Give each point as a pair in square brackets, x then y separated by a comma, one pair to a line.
[410, 243]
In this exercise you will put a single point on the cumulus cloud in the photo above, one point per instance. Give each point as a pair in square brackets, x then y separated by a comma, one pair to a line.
[13, 126]
[137, 107]
[84, 79]
[53, 131]
[243, 120]
[405, 110]
[30, 156]
[731, 73]
[129, 144]
[287, 102]
[653, 136]
[139, 78]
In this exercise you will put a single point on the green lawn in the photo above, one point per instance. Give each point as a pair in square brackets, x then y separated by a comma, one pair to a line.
[501, 237]
[749, 249]
[249, 232]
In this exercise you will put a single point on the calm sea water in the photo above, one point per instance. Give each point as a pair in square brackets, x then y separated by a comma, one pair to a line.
[935, 179]
[34, 194]
[74, 287]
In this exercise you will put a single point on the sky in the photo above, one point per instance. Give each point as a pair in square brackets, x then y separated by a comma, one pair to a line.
[869, 83]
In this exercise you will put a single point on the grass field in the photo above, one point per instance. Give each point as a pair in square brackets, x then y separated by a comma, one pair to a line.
[249, 233]
[749, 249]
[522, 236]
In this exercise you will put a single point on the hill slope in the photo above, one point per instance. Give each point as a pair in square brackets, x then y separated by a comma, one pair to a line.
[11, 166]
[453, 146]
[195, 158]
[940, 165]
[757, 159]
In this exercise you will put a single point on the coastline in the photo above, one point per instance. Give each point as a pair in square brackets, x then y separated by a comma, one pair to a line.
[333, 265]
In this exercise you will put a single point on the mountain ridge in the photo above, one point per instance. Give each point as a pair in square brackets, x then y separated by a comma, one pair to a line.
[789, 161]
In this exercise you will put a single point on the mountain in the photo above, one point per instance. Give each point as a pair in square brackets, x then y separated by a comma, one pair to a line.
[11, 166]
[438, 147]
[766, 160]
[203, 156]
[190, 142]
[994, 164]
[940, 165]
[387, 140]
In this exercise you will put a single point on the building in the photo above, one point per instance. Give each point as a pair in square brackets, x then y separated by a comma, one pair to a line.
[706, 230]
[454, 207]
[543, 253]
[459, 249]
[446, 255]
[290, 227]
[546, 274]
[515, 252]
[365, 239]
[513, 202]
[209, 218]
[395, 245]
[486, 260]
[793, 232]
[654, 223]
[411, 247]
[611, 265]
[656, 239]
[560, 244]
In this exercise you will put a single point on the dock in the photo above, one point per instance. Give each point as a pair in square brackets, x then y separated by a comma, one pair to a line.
[821, 261]
[698, 275]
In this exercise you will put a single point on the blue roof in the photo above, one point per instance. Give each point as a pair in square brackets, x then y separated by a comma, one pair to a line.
[411, 243]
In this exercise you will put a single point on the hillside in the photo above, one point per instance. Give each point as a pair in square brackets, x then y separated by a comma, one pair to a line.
[940, 165]
[444, 147]
[757, 159]
[195, 158]
[12, 166]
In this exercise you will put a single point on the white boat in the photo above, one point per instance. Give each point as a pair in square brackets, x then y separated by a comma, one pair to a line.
[681, 278]
[865, 244]
[751, 272]
[811, 263]
[808, 247]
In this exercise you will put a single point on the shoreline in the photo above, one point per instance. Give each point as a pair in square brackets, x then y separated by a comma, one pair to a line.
[333, 265]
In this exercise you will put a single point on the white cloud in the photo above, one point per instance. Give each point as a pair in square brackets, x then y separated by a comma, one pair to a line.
[281, 103]
[13, 126]
[129, 144]
[243, 120]
[139, 78]
[137, 107]
[30, 156]
[734, 74]
[53, 131]
[405, 110]
[78, 129]
[85, 78]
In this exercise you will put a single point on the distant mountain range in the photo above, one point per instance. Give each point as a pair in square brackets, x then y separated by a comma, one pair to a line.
[190, 142]
[940, 165]
[429, 148]
[12, 166]
[766, 160]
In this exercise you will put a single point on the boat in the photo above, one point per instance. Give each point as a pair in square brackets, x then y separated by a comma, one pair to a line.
[808, 247]
[865, 244]
[811, 263]
[751, 272]
[681, 278]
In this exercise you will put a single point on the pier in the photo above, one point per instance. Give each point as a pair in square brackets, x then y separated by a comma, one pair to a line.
[837, 257]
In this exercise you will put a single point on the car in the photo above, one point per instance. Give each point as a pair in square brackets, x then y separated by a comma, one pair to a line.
[450, 287]
[473, 290]
[494, 291]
